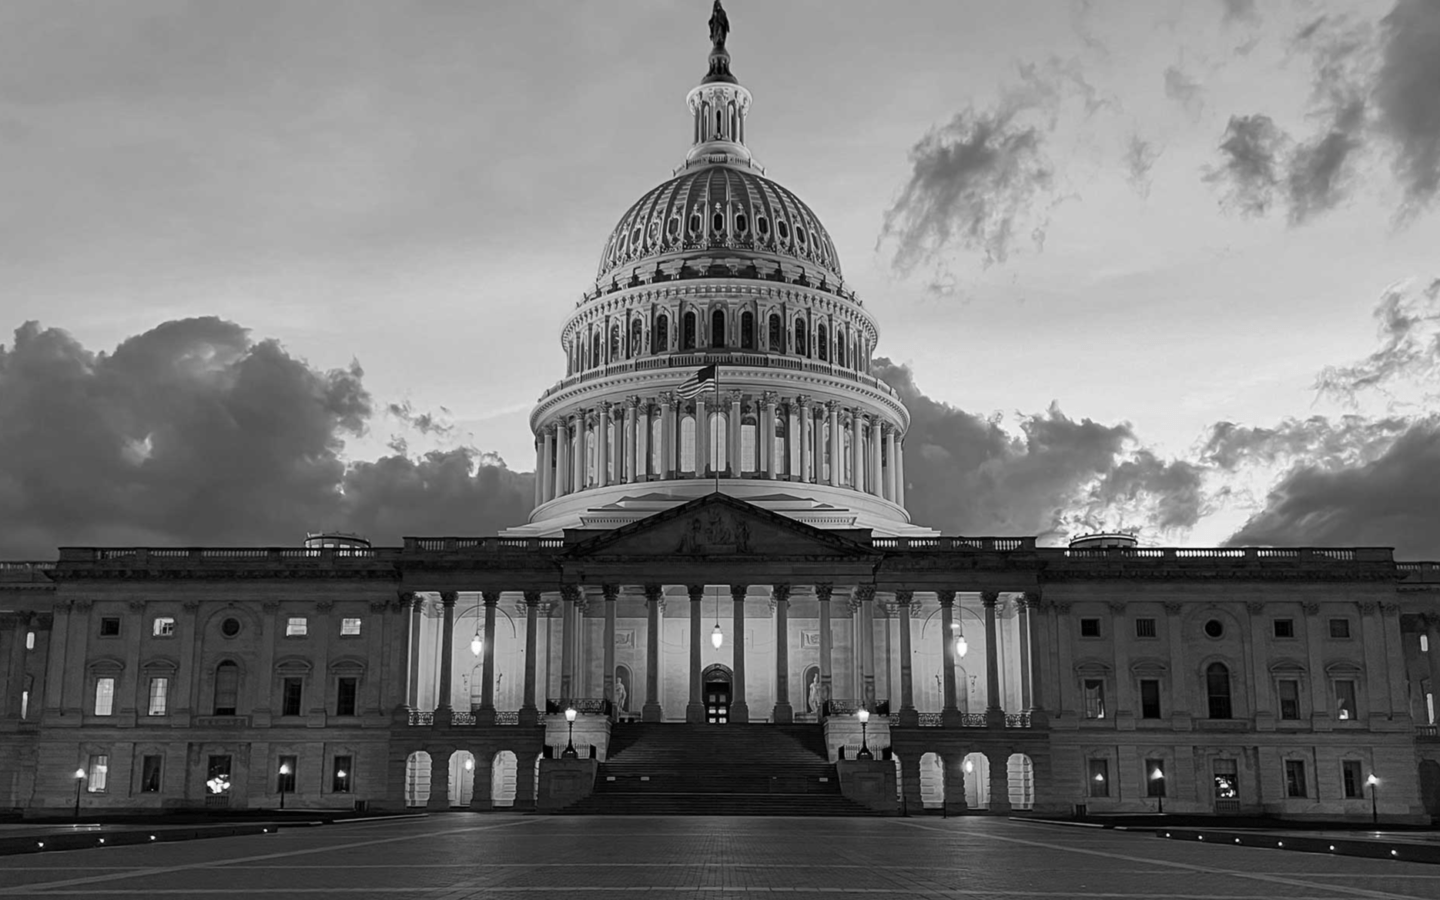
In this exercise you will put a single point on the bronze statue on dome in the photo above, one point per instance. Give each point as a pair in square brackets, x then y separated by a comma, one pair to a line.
[719, 26]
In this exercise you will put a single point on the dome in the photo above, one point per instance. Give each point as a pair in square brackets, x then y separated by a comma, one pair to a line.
[735, 211]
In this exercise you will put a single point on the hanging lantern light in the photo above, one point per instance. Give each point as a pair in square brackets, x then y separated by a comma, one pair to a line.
[716, 637]
[477, 643]
[961, 647]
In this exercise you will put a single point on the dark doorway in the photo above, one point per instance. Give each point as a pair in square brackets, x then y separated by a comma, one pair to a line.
[716, 683]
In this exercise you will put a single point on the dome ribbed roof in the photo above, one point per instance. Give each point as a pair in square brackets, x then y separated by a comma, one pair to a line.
[719, 211]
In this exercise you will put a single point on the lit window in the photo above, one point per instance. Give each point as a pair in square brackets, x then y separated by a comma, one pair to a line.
[163, 626]
[285, 772]
[1094, 698]
[1345, 699]
[296, 626]
[1424, 643]
[1099, 778]
[344, 777]
[29, 640]
[350, 626]
[99, 773]
[159, 691]
[104, 696]
[1227, 779]
[1155, 778]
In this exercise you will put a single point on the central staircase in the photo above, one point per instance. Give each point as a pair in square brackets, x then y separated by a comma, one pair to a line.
[717, 770]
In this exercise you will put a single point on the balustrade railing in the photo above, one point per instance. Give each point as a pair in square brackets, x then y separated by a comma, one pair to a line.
[953, 543]
[462, 717]
[591, 706]
[972, 720]
[1427, 733]
[930, 720]
[422, 717]
[507, 717]
[1017, 720]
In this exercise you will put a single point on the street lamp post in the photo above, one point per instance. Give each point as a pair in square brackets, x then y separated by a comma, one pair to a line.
[570, 740]
[1159, 776]
[1374, 807]
[79, 780]
[864, 716]
[284, 777]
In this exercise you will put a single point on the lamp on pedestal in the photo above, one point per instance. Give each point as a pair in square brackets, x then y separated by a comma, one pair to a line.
[863, 715]
[284, 777]
[1374, 808]
[1159, 777]
[570, 741]
[80, 779]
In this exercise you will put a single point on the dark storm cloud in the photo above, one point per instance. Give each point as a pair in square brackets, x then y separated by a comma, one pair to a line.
[1140, 157]
[193, 433]
[1251, 152]
[1057, 476]
[1406, 93]
[1318, 440]
[1409, 329]
[1390, 501]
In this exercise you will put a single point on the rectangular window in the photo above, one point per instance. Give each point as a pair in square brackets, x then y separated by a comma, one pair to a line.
[1149, 698]
[292, 691]
[159, 692]
[1339, 628]
[163, 626]
[1294, 778]
[285, 775]
[1144, 628]
[1284, 628]
[345, 697]
[1089, 627]
[227, 688]
[99, 777]
[1155, 778]
[296, 626]
[150, 774]
[349, 626]
[109, 626]
[344, 776]
[1094, 698]
[1227, 779]
[1345, 700]
[104, 696]
[217, 776]
[1099, 778]
[1289, 698]
[1351, 779]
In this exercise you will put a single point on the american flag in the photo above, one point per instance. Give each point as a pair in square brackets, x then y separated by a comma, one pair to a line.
[706, 379]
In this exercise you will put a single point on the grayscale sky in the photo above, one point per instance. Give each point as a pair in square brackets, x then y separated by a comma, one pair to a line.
[1166, 265]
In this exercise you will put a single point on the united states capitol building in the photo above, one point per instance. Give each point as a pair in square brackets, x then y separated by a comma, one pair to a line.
[720, 603]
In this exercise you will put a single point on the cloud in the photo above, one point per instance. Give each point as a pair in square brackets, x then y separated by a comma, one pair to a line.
[1184, 90]
[1318, 440]
[426, 423]
[1406, 92]
[1056, 477]
[1239, 11]
[1140, 157]
[1252, 149]
[193, 433]
[1409, 328]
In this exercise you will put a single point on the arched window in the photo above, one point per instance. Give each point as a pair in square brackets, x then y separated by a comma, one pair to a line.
[227, 688]
[717, 223]
[635, 345]
[840, 349]
[777, 336]
[595, 348]
[660, 337]
[614, 343]
[717, 328]
[822, 343]
[1217, 688]
[747, 331]
[687, 337]
[800, 337]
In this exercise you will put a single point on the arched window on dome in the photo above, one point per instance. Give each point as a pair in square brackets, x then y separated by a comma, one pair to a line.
[747, 330]
[742, 225]
[717, 224]
[635, 345]
[762, 226]
[594, 348]
[660, 337]
[719, 124]
[840, 353]
[777, 335]
[687, 329]
[672, 227]
[614, 344]
[694, 224]
[733, 129]
[717, 328]
[822, 343]
[783, 230]
[749, 462]
[800, 344]
[687, 443]
[657, 446]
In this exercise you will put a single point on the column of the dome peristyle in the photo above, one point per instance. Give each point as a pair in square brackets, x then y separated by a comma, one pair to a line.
[857, 452]
[889, 461]
[629, 459]
[539, 467]
[547, 468]
[653, 599]
[873, 484]
[908, 714]
[739, 709]
[667, 435]
[487, 666]
[803, 402]
[602, 444]
[949, 713]
[836, 456]
[900, 470]
[641, 443]
[733, 462]
[695, 709]
[582, 450]
[443, 709]
[784, 714]
[767, 443]
[994, 714]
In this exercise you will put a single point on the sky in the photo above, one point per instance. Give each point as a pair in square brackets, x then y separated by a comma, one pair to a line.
[1169, 267]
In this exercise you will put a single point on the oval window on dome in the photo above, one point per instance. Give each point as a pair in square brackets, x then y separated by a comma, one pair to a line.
[717, 223]
[783, 230]
[742, 225]
[694, 223]
[800, 235]
[762, 225]
[654, 230]
[635, 236]
[672, 227]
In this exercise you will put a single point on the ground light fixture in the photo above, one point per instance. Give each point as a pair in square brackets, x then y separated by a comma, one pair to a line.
[80, 779]
[969, 766]
[570, 741]
[863, 715]
[1374, 809]
[284, 777]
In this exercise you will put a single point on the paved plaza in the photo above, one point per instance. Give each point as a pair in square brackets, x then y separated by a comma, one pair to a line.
[464, 855]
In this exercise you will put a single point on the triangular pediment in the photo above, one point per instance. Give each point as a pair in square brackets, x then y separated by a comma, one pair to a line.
[718, 525]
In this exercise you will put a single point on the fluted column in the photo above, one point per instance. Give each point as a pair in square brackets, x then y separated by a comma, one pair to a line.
[994, 713]
[835, 452]
[602, 444]
[547, 469]
[612, 595]
[443, 709]
[629, 457]
[739, 709]
[908, 714]
[733, 460]
[667, 436]
[949, 713]
[695, 710]
[651, 711]
[569, 596]
[487, 665]
[411, 603]
[539, 469]
[562, 458]
[874, 483]
[865, 593]
[784, 713]
[824, 591]
[900, 470]
[642, 441]
[889, 461]
[805, 431]
[857, 452]
[1022, 615]
[702, 436]
[769, 398]
[528, 713]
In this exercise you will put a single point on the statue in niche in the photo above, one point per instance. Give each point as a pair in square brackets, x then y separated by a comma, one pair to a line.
[622, 693]
[719, 26]
[814, 696]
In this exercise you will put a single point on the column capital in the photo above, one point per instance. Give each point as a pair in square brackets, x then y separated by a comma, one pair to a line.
[905, 595]
[1031, 599]
[532, 599]
[633, 402]
[733, 397]
[654, 592]
[824, 590]
[947, 598]
[570, 592]
[865, 593]
[833, 406]
[490, 598]
[669, 400]
[802, 402]
[738, 592]
[1310, 607]
[548, 430]
[769, 398]
[1367, 607]
[696, 592]
[1255, 607]
[989, 598]
[407, 599]
[780, 592]
[448, 598]
[611, 592]
[605, 407]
